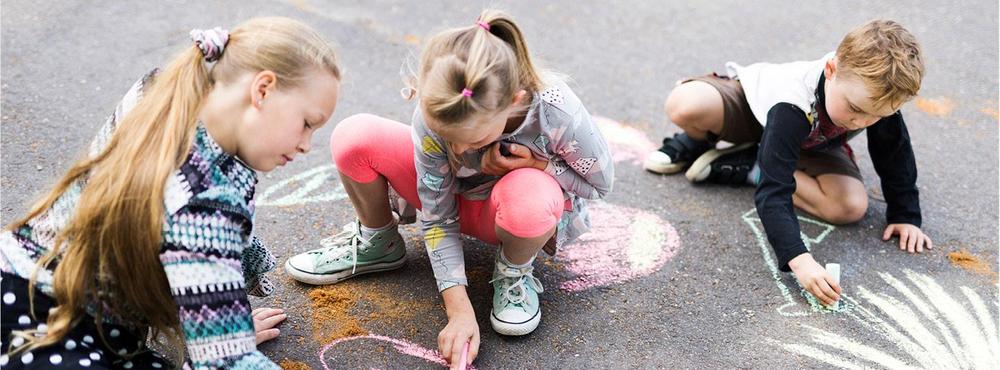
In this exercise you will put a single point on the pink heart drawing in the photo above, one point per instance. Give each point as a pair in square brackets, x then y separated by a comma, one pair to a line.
[625, 243]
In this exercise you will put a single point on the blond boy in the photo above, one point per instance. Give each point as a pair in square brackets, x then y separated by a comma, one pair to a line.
[790, 124]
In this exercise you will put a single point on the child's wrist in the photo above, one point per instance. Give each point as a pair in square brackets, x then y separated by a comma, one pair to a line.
[456, 302]
[800, 260]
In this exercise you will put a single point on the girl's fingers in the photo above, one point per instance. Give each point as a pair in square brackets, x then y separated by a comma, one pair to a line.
[272, 321]
[456, 351]
[266, 335]
[473, 348]
[445, 344]
[930, 244]
[911, 243]
[268, 311]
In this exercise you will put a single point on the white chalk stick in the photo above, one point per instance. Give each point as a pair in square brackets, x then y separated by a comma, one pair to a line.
[834, 270]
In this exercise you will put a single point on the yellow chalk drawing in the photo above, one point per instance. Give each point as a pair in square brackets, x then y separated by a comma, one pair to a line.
[430, 146]
[433, 236]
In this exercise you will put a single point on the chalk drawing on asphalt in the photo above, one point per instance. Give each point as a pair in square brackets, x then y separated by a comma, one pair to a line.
[402, 346]
[794, 306]
[924, 325]
[320, 184]
[624, 244]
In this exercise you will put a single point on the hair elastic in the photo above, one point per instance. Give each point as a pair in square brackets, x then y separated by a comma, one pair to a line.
[483, 25]
[467, 93]
[211, 42]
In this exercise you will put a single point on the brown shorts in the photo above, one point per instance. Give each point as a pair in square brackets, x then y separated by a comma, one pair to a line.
[740, 126]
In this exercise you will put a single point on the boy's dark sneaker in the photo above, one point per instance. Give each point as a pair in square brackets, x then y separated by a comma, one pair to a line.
[728, 166]
[676, 154]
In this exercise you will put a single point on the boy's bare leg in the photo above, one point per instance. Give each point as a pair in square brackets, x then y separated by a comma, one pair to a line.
[696, 107]
[837, 199]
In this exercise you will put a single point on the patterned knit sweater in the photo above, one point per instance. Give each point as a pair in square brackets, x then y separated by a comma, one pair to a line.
[210, 258]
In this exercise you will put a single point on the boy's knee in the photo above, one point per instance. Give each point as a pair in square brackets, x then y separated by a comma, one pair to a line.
[684, 107]
[850, 210]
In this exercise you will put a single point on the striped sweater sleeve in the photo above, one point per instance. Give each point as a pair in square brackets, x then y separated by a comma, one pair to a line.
[201, 255]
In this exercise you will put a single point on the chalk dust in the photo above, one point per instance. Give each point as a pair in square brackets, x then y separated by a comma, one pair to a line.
[343, 309]
[970, 262]
[287, 364]
[992, 112]
[939, 107]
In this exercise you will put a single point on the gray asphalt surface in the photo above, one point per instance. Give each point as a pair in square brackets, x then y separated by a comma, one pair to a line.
[714, 304]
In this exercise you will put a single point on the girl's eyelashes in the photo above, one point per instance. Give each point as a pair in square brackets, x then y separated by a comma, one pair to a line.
[308, 126]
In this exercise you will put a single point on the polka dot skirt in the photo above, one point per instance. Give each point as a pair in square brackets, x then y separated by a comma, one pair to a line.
[81, 348]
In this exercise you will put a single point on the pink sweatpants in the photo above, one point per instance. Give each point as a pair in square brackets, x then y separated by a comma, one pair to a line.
[526, 202]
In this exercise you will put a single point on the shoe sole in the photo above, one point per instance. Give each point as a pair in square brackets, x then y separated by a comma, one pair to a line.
[516, 329]
[327, 279]
[703, 165]
[664, 169]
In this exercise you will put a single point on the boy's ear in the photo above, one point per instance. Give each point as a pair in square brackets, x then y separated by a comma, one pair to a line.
[830, 69]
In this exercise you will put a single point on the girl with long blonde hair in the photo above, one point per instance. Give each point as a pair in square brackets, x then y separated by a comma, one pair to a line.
[149, 234]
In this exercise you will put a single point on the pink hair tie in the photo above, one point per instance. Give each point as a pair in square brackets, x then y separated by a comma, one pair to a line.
[467, 93]
[484, 25]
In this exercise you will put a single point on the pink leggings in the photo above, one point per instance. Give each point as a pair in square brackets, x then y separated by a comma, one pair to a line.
[526, 202]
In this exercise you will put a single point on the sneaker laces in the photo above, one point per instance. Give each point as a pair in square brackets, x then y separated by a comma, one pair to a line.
[513, 281]
[344, 244]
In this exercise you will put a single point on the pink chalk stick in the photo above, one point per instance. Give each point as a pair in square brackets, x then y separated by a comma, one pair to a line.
[465, 357]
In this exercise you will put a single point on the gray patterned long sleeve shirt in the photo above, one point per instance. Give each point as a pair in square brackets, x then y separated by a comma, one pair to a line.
[557, 129]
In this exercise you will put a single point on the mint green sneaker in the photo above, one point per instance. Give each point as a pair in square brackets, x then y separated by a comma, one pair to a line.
[346, 255]
[516, 309]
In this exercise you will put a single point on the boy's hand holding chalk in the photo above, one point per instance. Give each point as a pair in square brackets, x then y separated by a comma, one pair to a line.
[815, 279]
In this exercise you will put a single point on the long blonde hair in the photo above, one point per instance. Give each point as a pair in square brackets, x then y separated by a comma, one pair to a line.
[112, 242]
[488, 58]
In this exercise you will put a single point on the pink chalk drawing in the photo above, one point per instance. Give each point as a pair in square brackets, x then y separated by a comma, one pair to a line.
[624, 244]
[627, 144]
[403, 346]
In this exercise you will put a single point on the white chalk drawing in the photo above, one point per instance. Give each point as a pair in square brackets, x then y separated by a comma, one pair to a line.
[320, 184]
[624, 244]
[927, 328]
[400, 345]
[793, 306]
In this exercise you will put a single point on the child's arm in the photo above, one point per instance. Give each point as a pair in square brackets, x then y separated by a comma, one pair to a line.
[780, 145]
[892, 156]
[201, 257]
[582, 163]
[436, 187]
